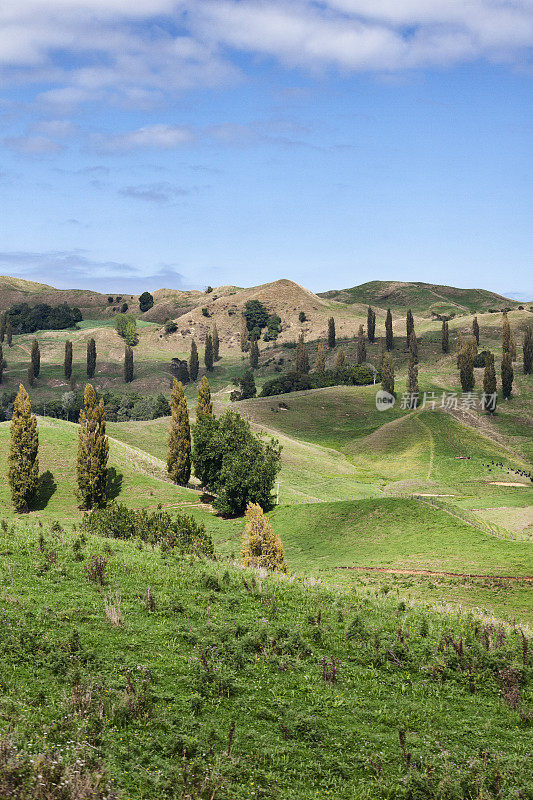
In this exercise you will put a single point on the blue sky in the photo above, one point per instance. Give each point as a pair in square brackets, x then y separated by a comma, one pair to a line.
[188, 142]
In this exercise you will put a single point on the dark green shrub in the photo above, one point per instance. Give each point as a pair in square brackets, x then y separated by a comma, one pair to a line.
[180, 532]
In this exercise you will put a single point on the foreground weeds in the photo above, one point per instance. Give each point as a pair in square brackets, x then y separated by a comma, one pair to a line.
[176, 677]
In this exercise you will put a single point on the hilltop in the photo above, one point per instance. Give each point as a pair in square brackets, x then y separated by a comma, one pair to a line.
[421, 297]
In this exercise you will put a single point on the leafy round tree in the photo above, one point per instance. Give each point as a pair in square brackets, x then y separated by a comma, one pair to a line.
[179, 437]
[371, 325]
[387, 374]
[194, 364]
[216, 343]
[331, 333]
[91, 358]
[128, 364]
[389, 337]
[208, 353]
[507, 375]
[233, 463]
[204, 405]
[302, 359]
[93, 452]
[320, 363]
[445, 337]
[261, 547]
[361, 346]
[67, 364]
[527, 350]
[23, 470]
[247, 385]
[146, 301]
[36, 357]
[489, 384]
[475, 330]
[254, 354]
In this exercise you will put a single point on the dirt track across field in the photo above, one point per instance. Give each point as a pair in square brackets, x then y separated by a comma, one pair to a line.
[431, 573]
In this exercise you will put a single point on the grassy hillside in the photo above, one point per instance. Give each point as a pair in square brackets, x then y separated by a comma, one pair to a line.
[228, 685]
[420, 297]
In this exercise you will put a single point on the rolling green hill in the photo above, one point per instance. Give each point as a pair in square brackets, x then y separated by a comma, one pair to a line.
[420, 297]
[178, 679]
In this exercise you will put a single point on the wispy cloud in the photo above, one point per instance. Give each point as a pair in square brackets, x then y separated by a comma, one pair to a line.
[149, 137]
[69, 269]
[33, 145]
[161, 193]
[135, 54]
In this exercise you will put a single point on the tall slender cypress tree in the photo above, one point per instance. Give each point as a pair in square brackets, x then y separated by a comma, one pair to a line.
[2, 327]
[412, 380]
[506, 333]
[216, 343]
[193, 362]
[320, 363]
[475, 330]
[340, 359]
[67, 365]
[387, 374]
[204, 405]
[128, 364]
[361, 346]
[179, 437]
[23, 471]
[413, 346]
[371, 325]
[36, 357]
[381, 356]
[9, 332]
[331, 333]
[445, 337]
[3, 363]
[208, 353]
[507, 375]
[489, 384]
[93, 452]
[409, 325]
[254, 354]
[31, 374]
[527, 349]
[91, 358]
[466, 368]
[512, 348]
[302, 359]
[245, 338]
[389, 337]
[459, 347]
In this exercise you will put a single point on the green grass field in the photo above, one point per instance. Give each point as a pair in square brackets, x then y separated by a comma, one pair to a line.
[235, 686]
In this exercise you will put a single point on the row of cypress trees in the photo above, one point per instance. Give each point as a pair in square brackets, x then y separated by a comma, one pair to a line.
[91, 463]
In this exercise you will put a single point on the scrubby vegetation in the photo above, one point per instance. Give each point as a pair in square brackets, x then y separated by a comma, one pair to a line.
[297, 381]
[24, 318]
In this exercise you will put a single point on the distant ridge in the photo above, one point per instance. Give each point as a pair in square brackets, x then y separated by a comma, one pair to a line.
[420, 297]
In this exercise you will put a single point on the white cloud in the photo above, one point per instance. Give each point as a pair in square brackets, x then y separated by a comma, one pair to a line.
[134, 53]
[156, 137]
[32, 145]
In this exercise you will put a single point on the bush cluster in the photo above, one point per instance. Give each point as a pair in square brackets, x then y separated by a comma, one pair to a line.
[295, 381]
[42, 317]
[180, 532]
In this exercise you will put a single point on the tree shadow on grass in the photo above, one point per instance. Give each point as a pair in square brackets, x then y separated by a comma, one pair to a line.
[114, 483]
[47, 487]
